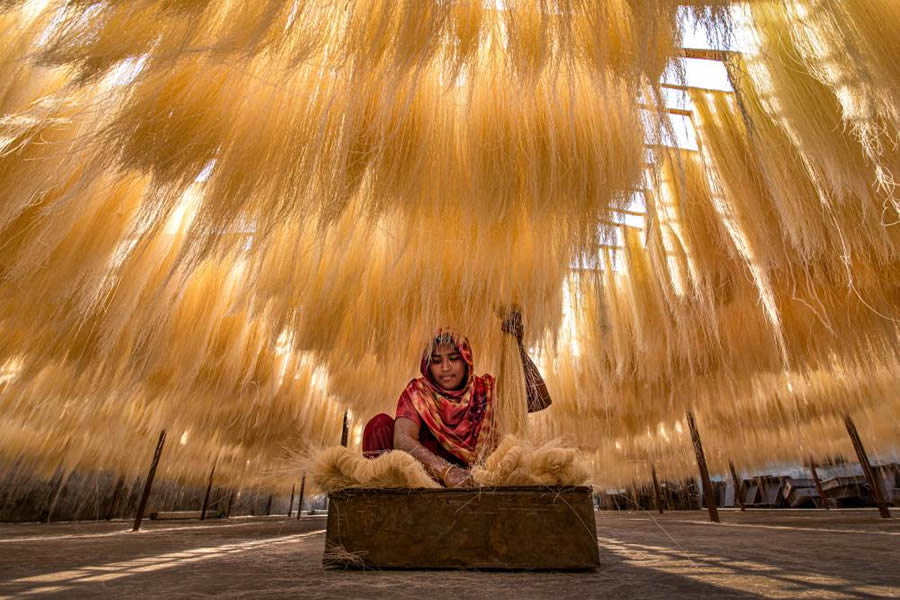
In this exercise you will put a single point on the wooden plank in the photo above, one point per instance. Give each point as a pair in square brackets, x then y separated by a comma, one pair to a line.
[866, 467]
[148, 485]
[173, 515]
[704, 471]
[501, 528]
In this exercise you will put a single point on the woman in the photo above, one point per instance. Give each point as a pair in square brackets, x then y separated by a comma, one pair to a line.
[444, 417]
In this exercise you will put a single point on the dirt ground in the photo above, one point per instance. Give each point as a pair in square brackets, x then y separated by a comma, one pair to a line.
[757, 554]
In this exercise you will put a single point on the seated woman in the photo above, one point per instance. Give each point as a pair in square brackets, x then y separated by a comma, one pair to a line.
[453, 404]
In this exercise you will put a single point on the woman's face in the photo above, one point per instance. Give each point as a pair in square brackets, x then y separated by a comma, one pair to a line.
[447, 367]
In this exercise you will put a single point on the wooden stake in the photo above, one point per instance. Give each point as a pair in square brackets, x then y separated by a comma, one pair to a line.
[657, 497]
[815, 476]
[63, 479]
[866, 467]
[291, 503]
[208, 490]
[704, 471]
[345, 429]
[115, 496]
[269, 506]
[738, 487]
[300, 500]
[142, 506]
[228, 508]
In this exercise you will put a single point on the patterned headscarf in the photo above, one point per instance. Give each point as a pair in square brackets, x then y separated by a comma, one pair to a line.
[459, 419]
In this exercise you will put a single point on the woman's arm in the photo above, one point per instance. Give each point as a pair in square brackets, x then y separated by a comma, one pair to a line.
[406, 438]
[535, 387]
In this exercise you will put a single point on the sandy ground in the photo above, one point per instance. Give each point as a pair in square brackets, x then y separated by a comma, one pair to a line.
[757, 554]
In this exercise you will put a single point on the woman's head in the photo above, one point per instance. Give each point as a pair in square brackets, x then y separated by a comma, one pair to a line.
[447, 361]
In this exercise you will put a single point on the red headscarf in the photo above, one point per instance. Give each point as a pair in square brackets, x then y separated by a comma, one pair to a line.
[459, 419]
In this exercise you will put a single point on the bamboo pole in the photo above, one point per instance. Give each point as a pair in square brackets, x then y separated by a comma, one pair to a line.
[345, 429]
[657, 497]
[704, 471]
[208, 490]
[300, 499]
[815, 476]
[866, 467]
[63, 479]
[738, 487]
[291, 502]
[115, 497]
[228, 508]
[142, 506]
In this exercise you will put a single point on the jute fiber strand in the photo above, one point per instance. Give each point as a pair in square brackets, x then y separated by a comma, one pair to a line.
[238, 221]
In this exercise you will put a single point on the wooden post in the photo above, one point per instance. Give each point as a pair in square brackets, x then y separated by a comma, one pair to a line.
[208, 490]
[142, 506]
[657, 497]
[300, 499]
[704, 471]
[115, 497]
[291, 502]
[59, 488]
[738, 487]
[866, 467]
[815, 476]
[228, 508]
[345, 429]
[269, 506]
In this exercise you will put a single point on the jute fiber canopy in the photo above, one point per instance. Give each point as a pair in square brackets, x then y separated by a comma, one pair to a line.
[238, 220]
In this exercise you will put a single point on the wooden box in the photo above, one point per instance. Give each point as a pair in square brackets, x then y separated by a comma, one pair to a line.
[498, 528]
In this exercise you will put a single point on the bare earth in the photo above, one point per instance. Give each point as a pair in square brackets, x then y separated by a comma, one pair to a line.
[757, 554]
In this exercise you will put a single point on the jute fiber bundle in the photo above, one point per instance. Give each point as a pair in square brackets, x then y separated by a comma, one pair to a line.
[338, 468]
[510, 412]
[512, 463]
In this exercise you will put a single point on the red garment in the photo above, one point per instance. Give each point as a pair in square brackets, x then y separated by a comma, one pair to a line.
[460, 420]
[378, 438]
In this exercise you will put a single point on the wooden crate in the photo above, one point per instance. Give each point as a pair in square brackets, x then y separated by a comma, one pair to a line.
[499, 528]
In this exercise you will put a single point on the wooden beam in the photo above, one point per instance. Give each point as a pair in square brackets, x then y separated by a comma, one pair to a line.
[148, 485]
[704, 471]
[815, 476]
[208, 490]
[657, 497]
[300, 500]
[291, 502]
[707, 54]
[866, 467]
[345, 429]
[738, 487]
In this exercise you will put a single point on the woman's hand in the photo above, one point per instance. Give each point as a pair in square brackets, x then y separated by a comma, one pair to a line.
[457, 477]
[513, 325]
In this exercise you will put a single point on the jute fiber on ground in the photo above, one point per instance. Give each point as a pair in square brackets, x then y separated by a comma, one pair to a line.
[236, 221]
